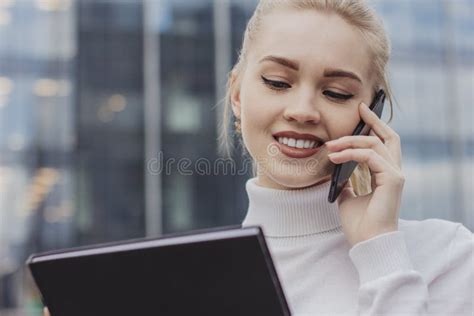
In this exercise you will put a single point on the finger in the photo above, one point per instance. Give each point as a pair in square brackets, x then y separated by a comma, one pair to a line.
[383, 173]
[373, 142]
[397, 159]
[374, 161]
[46, 312]
[388, 136]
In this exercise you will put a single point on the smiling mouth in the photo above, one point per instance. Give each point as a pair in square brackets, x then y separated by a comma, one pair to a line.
[298, 143]
[295, 148]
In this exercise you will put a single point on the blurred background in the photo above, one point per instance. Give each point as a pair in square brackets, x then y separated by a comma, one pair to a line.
[91, 91]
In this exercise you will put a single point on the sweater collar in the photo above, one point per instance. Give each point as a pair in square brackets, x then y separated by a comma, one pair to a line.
[286, 213]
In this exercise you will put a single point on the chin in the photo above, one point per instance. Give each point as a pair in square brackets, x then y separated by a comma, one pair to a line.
[297, 176]
[282, 172]
[298, 182]
[311, 174]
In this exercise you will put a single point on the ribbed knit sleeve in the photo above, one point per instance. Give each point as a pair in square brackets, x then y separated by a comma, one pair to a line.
[390, 285]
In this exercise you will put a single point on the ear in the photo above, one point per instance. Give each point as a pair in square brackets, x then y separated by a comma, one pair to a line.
[235, 94]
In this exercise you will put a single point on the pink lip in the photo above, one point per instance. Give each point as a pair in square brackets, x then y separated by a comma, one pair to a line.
[297, 152]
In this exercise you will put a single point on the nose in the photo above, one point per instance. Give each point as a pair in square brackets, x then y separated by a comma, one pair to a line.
[304, 111]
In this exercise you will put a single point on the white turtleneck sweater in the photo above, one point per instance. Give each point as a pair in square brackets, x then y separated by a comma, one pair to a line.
[424, 268]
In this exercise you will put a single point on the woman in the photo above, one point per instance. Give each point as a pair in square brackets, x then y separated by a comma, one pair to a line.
[306, 70]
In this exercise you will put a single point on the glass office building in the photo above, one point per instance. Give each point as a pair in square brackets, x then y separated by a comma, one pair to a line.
[96, 96]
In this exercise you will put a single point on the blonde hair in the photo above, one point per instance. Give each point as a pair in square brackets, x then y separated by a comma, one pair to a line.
[355, 12]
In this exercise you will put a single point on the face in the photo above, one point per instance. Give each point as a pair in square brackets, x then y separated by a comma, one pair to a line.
[306, 73]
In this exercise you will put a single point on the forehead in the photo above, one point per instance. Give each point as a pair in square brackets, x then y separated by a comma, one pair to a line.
[315, 39]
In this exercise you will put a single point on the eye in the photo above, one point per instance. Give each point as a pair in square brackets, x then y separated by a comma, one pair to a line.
[336, 95]
[275, 85]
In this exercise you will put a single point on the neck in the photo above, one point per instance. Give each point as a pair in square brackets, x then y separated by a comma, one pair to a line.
[289, 213]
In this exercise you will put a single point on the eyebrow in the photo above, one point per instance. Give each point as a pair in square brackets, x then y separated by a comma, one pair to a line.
[329, 73]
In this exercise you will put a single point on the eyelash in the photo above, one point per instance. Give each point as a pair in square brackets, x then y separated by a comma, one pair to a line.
[280, 86]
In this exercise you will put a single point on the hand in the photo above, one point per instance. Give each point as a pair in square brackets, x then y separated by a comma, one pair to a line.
[46, 312]
[364, 217]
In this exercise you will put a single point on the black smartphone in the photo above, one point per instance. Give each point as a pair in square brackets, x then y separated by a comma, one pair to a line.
[342, 172]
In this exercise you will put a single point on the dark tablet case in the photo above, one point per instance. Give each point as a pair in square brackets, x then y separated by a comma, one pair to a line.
[220, 271]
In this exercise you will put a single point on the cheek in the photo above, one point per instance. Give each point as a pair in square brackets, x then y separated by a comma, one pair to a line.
[258, 109]
[342, 123]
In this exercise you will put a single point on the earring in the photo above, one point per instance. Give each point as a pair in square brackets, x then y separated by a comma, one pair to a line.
[238, 128]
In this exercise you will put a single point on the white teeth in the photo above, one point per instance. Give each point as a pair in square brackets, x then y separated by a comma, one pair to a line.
[298, 143]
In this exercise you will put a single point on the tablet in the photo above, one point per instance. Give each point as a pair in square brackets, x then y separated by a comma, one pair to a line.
[219, 271]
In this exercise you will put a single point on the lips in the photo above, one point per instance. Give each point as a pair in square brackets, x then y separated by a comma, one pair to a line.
[293, 152]
[292, 134]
